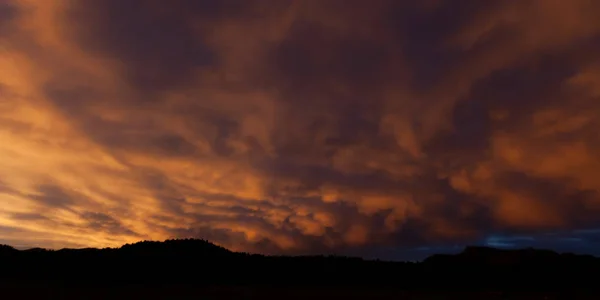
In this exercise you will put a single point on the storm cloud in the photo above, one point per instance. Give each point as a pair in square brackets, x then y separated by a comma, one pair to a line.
[384, 129]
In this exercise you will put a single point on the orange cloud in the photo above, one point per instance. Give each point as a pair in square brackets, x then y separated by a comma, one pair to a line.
[301, 126]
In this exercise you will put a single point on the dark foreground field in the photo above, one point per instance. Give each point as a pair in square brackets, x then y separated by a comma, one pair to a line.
[195, 269]
[173, 291]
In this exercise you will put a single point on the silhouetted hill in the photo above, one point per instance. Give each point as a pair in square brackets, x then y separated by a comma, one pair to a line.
[186, 248]
[5, 250]
[527, 259]
[200, 263]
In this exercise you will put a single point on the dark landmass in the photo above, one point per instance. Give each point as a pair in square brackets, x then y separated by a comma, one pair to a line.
[197, 269]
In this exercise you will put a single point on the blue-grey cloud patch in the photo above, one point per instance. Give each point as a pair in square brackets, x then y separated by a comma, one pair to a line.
[564, 241]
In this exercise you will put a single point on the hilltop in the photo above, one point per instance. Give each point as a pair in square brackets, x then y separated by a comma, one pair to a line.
[203, 263]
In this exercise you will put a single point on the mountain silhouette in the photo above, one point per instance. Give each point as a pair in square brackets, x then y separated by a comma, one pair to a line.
[199, 263]
[7, 250]
[186, 247]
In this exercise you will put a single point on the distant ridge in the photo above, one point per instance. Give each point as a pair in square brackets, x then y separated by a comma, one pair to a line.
[200, 262]
[488, 256]
[201, 247]
[179, 247]
[5, 249]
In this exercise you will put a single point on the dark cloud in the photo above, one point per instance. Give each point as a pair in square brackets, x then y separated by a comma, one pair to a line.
[52, 196]
[142, 135]
[424, 32]
[28, 217]
[161, 47]
[8, 12]
[102, 222]
[311, 57]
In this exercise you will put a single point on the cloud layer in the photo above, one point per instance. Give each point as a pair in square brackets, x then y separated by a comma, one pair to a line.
[300, 126]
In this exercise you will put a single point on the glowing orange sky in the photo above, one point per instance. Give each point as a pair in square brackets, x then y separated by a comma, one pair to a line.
[297, 126]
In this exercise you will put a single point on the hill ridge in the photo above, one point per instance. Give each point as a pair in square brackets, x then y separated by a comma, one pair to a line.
[201, 262]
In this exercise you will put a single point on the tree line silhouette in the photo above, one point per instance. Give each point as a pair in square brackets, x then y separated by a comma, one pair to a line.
[200, 262]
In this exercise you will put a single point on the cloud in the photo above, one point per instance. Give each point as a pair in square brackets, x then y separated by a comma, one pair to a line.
[102, 222]
[8, 12]
[300, 126]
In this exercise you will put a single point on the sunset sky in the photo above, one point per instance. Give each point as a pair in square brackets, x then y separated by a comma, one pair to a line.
[381, 128]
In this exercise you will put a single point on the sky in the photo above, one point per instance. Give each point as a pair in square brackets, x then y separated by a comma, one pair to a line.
[385, 128]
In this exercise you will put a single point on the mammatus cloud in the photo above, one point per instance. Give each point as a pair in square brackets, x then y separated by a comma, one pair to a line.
[300, 126]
